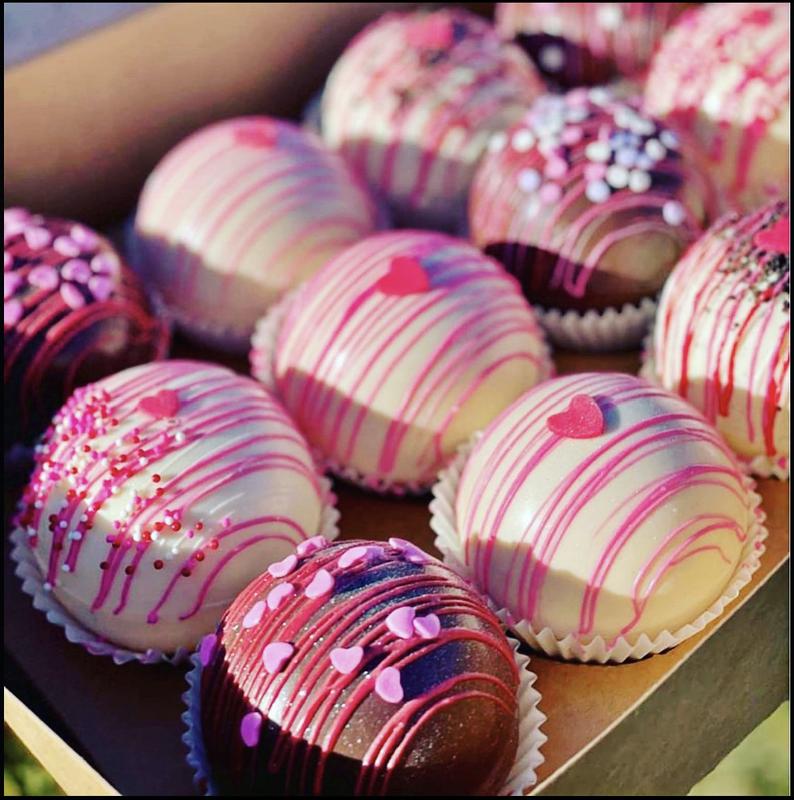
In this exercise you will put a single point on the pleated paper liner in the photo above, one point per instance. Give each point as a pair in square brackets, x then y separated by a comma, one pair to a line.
[27, 569]
[522, 776]
[595, 648]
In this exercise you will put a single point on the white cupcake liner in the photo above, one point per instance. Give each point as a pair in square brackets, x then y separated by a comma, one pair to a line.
[597, 648]
[762, 466]
[598, 331]
[522, 776]
[27, 569]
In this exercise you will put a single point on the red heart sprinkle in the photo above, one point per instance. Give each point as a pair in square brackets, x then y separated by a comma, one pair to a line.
[582, 420]
[261, 134]
[162, 405]
[406, 276]
[776, 239]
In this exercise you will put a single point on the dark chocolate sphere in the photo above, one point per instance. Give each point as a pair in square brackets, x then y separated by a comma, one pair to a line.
[358, 668]
[73, 312]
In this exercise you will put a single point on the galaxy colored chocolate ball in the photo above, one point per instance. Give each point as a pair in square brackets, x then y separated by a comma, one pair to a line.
[411, 103]
[73, 312]
[160, 492]
[576, 44]
[238, 214]
[589, 202]
[360, 668]
[722, 77]
[397, 350]
[722, 335]
[601, 506]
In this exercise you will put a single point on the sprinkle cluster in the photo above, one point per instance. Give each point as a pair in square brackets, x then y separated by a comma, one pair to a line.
[42, 257]
[622, 149]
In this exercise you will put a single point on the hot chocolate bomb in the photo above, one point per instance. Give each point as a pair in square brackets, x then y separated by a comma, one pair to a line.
[358, 668]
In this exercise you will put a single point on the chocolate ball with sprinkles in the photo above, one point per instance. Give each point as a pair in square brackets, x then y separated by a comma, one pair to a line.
[722, 334]
[360, 668]
[73, 312]
[575, 44]
[412, 101]
[158, 494]
[590, 204]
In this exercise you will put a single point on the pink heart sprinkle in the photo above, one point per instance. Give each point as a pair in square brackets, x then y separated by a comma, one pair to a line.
[388, 686]
[278, 594]
[346, 659]
[12, 312]
[322, 584]
[255, 614]
[250, 726]
[72, 296]
[76, 269]
[11, 282]
[427, 627]
[162, 405]
[37, 238]
[207, 648]
[44, 277]
[401, 622]
[583, 419]
[406, 276]
[353, 556]
[8, 260]
[276, 655]
[777, 238]
[262, 134]
[409, 551]
[15, 215]
[595, 171]
[106, 263]
[311, 546]
[101, 287]
[66, 247]
[283, 568]
[434, 32]
[84, 237]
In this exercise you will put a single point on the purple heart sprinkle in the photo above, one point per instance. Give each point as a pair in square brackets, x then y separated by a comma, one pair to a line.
[72, 296]
[38, 238]
[250, 725]
[76, 269]
[401, 622]
[11, 282]
[346, 659]
[280, 569]
[207, 648]
[322, 584]
[44, 277]
[388, 686]
[101, 287]
[254, 615]
[276, 655]
[66, 247]
[427, 627]
[278, 594]
[311, 546]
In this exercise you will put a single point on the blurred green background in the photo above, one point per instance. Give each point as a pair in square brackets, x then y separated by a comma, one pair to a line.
[759, 766]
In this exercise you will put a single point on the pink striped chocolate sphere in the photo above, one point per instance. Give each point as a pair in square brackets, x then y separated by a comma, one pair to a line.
[411, 104]
[398, 349]
[236, 215]
[598, 505]
[722, 335]
[159, 493]
[723, 77]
